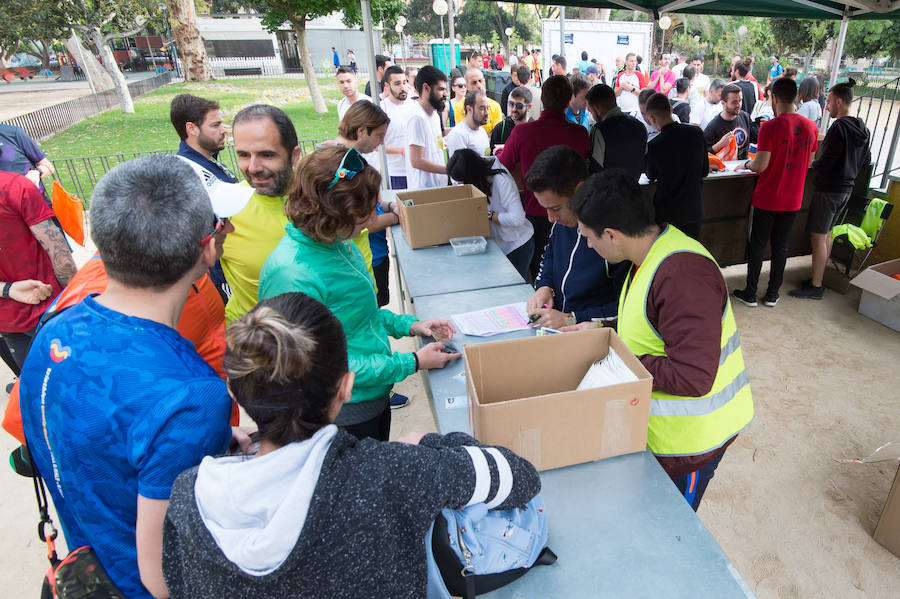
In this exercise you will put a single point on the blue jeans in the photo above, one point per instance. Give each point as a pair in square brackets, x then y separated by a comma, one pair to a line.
[692, 486]
[398, 182]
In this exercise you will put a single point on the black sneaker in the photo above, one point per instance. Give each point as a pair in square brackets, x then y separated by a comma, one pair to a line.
[809, 291]
[398, 401]
[746, 298]
[770, 299]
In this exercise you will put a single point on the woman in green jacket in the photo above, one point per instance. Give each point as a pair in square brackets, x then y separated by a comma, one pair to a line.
[331, 199]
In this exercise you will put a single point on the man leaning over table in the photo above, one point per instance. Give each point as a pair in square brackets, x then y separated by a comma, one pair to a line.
[674, 314]
[574, 284]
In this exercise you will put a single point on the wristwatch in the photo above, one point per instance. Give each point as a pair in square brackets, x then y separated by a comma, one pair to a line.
[490, 215]
[6, 290]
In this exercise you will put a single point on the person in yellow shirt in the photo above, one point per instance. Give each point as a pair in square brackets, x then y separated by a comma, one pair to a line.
[475, 80]
[265, 142]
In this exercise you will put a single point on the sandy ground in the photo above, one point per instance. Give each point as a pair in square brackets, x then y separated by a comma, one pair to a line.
[794, 522]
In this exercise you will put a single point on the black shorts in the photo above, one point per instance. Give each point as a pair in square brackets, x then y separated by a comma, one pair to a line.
[823, 210]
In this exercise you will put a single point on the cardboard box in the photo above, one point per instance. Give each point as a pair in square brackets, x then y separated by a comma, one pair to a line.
[522, 396]
[880, 299]
[888, 530]
[438, 214]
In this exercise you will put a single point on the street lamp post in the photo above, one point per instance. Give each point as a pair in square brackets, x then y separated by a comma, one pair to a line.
[440, 8]
[165, 8]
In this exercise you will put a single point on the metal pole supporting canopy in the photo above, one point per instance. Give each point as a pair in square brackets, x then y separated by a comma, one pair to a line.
[374, 83]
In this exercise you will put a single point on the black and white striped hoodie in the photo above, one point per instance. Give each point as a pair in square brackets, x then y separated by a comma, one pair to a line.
[362, 534]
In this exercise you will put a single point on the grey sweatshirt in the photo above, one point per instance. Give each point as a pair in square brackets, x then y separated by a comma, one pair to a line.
[363, 532]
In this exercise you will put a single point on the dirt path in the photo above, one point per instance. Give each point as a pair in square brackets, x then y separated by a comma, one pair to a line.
[795, 523]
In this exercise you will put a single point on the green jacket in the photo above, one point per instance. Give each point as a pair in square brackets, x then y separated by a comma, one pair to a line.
[336, 275]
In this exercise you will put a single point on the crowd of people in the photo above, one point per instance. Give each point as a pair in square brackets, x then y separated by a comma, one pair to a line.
[207, 294]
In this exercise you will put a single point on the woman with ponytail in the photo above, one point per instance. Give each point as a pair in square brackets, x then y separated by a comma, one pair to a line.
[331, 200]
[316, 512]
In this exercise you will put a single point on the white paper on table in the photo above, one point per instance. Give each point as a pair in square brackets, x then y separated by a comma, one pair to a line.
[611, 370]
[492, 321]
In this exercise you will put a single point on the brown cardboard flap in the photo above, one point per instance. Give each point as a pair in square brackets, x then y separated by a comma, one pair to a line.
[877, 279]
[888, 530]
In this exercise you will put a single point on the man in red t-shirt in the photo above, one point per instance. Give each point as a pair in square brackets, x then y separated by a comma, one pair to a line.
[528, 140]
[786, 148]
[35, 264]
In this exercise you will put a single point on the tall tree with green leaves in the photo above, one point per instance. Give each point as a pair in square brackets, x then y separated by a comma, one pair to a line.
[300, 12]
[873, 39]
[30, 27]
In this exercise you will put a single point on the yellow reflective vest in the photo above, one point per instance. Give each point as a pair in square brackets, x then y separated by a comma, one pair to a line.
[679, 425]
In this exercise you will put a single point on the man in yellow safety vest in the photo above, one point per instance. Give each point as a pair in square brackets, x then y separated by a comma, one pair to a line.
[675, 315]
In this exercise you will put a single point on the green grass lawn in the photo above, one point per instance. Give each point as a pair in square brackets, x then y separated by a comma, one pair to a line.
[149, 128]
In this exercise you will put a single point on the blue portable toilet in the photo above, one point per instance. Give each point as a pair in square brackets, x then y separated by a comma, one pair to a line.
[440, 53]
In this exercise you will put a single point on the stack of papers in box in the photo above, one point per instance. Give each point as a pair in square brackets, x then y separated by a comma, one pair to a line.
[493, 321]
[611, 370]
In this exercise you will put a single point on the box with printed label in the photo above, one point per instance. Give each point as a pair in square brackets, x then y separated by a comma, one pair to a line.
[434, 216]
[522, 396]
[880, 299]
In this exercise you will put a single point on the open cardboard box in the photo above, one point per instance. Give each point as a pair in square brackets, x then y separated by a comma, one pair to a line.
[880, 299]
[522, 396]
[439, 214]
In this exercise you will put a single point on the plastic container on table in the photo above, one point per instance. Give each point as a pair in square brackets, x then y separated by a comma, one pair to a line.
[466, 246]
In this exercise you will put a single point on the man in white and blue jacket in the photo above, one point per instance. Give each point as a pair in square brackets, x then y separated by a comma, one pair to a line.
[574, 283]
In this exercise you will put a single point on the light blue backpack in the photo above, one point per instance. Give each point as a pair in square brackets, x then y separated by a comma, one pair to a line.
[473, 551]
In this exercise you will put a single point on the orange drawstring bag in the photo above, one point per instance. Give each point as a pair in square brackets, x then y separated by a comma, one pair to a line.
[70, 212]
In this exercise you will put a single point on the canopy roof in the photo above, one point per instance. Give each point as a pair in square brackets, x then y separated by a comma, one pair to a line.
[800, 9]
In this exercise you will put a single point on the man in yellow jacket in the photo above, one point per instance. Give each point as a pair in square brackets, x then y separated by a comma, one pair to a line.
[675, 315]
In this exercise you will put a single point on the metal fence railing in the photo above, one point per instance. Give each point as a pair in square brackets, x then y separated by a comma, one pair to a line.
[79, 175]
[41, 124]
[879, 108]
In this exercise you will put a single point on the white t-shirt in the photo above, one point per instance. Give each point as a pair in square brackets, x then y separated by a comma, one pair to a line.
[425, 130]
[344, 105]
[710, 111]
[811, 110]
[461, 136]
[628, 100]
[513, 229]
[396, 133]
[700, 85]
[678, 69]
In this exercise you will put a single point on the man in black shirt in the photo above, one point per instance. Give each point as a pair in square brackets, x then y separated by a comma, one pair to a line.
[518, 105]
[677, 161]
[749, 90]
[680, 104]
[731, 122]
[519, 75]
[618, 140]
[381, 63]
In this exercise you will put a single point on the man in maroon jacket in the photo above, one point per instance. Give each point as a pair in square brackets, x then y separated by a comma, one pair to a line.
[530, 139]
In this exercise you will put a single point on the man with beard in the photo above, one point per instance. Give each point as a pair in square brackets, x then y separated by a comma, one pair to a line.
[202, 133]
[475, 81]
[199, 125]
[425, 154]
[518, 106]
[470, 132]
[731, 122]
[348, 85]
[265, 142]
[398, 109]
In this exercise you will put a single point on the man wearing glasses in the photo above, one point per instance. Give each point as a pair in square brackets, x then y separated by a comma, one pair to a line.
[518, 107]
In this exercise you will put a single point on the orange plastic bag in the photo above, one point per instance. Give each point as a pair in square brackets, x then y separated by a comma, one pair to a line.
[70, 212]
[730, 151]
[715, 163]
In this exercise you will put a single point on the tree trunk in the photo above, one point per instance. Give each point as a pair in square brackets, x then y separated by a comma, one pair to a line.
[88, 63]
[604, 14]
[112, 69]
[308, 72]
[45, 54]
[191, 48]
[6, 55]
[588, 14]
